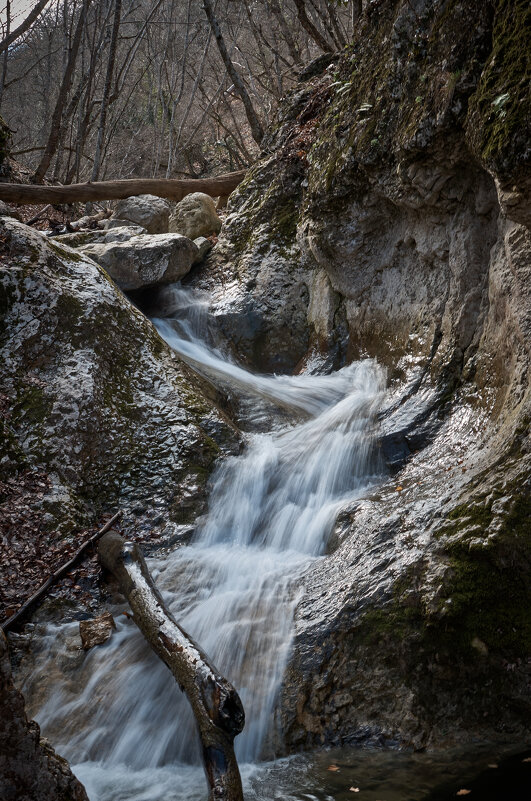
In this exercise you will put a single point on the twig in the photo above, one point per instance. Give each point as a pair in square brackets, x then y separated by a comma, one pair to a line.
[8, 624]
[41, 213]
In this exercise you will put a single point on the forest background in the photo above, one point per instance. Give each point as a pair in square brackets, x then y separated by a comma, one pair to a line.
[100, 89]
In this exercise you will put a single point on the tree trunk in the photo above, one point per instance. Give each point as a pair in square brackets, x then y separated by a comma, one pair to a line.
[173, 189]
[215, 703]
[66, 85]
[239, 86]
[107, 90]
[310, 28]
[6, 53]
[286, 33]
[23, 27]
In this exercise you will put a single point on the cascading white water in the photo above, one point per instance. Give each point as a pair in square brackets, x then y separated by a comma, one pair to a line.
[234, 588]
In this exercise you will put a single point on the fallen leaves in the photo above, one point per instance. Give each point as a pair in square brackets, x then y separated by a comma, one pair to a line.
[333, 767]
[463, 792]
[354, 789]
[29, 551]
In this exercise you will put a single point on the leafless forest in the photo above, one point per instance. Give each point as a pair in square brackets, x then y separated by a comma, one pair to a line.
[96, 89]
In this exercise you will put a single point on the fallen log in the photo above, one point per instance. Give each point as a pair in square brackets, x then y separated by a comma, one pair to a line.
[170, 188]
[15, 619]
[215, 703]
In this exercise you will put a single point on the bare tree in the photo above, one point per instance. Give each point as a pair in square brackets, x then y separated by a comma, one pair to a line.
[239, 86]
[66, 84]
[24, 26]
[310, 28]
[107, 89]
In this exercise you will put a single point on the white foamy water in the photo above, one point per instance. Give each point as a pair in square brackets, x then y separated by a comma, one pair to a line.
[120, 715]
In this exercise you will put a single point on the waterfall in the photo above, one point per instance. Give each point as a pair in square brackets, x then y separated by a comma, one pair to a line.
[234, 588]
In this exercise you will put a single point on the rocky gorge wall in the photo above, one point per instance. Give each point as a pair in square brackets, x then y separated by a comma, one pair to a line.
[389, 218]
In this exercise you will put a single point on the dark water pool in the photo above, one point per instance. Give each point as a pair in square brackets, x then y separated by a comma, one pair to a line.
[484, 773]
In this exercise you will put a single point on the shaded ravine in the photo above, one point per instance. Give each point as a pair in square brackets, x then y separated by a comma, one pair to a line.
[117, 711]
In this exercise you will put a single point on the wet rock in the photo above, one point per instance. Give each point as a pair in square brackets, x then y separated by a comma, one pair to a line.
[30, 770]
[204, 246]
[144, 261]
[149, 211]
[96, 631]
[389, 219]
[96, 400]
[194, 216]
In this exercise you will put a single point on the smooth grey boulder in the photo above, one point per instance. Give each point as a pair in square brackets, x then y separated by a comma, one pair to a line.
[147, 210]
[145, 261]
[123, 233]
[116, 222]
[194, 216]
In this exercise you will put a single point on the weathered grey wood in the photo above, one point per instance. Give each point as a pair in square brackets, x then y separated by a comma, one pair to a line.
[171, 188]
[215, 703]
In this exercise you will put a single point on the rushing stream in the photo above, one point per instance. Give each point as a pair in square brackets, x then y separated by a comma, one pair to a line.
[235, 587]
[116, 712]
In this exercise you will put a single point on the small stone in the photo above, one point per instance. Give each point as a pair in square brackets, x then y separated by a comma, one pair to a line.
[204, 247]
[480, 646]
[96, 631]
[7, 211]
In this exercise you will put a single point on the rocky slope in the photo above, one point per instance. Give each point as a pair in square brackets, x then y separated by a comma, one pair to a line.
[94, 405]
[389, 218]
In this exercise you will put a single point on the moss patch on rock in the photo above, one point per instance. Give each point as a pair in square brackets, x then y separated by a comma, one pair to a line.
[499, 110]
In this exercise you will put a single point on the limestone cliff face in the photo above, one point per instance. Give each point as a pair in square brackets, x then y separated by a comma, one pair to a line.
[389, 218]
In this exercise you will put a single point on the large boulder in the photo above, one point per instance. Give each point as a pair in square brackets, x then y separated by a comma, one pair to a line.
[30, 770]
[144, 261]
[149, 211]
[194, 216]
[93, 405]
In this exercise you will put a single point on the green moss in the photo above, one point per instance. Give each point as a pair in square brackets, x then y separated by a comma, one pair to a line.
[65, 254]
[485, 594]
[277, 212]
[32, 405]
[13, 457]
[499, 109]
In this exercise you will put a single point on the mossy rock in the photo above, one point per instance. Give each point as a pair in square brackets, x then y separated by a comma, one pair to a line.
[94, 396]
